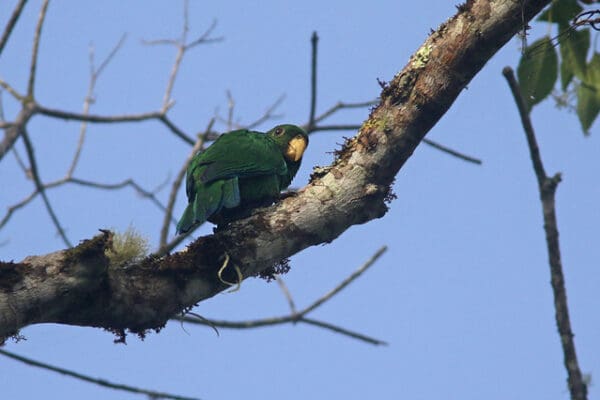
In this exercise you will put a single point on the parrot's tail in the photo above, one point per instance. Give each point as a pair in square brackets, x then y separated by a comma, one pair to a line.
[187, 220]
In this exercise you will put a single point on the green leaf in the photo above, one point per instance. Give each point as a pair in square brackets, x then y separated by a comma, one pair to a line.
[566, 75]
[573, 51]
[561, 12]
[588, 95]
[592, 76]
[588, 106]
[538, 71]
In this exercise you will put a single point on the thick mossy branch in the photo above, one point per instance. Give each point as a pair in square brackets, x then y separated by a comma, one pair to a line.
[353, 190]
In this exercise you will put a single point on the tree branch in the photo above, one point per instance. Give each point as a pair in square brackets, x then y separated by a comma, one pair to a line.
[314, 40]
[81, 287]
[11, 23]
[34, 53]
[100, 382]
[547, 187]
[40, 188]
[301, 316]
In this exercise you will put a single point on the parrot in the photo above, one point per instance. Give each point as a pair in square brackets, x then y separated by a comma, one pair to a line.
[240, 169]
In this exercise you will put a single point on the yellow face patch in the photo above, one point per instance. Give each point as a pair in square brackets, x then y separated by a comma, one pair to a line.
[296, 148]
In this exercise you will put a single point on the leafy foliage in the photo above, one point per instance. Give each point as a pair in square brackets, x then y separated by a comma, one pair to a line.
[579, 78]
[538, 71]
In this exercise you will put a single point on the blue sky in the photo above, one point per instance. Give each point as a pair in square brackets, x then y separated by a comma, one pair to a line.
[462, 295]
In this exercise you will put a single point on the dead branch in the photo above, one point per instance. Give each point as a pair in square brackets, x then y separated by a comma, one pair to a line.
[547, 187]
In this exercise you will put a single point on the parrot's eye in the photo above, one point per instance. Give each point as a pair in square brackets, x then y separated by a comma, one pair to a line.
[279, 131]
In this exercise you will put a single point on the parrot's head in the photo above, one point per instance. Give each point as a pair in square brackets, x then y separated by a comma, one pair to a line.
[291, 139]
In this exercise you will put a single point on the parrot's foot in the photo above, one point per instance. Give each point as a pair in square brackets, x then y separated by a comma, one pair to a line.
[288, 193]
[240, 277]
[227, 215]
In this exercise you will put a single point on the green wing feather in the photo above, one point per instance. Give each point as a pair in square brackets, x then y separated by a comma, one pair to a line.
[241, 153]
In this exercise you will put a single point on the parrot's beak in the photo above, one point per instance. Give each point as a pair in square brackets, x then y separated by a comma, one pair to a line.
[296, 148]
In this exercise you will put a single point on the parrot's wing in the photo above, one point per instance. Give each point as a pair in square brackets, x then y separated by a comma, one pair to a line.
[239, 154]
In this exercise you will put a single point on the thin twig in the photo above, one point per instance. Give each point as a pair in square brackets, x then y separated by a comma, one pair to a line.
[177, 240]
[108, 119]
[97, 381]
[82, 182]
[34, 53]
[287, 294]
[111, 119]
[230, 108]
[428, 142]
[178, 58]
[341, 105]
[182, 46]
[283, 320]
[547, 187]
[204, 38]
[343, 331]
[178, 132]
[150, 195]
[13, 92]
[314, 40]
[452, 152]
[12, 209]
[40, 187]
[21, 163]
[11, 23]
[89, 98]
[301, 315]
[268, 114]
[346, 281]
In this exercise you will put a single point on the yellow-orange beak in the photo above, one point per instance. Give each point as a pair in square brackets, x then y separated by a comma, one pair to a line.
[296, 148]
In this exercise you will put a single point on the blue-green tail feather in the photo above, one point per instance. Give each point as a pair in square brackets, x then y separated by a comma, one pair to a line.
[209, 200]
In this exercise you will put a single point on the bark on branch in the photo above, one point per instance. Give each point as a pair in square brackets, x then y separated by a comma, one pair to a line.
[78, 286]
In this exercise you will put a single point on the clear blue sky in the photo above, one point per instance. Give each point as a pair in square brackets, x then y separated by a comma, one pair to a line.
[462, 295]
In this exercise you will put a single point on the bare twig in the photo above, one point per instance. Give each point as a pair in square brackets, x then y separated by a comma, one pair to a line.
[346, 281]
[287, 294]
[40, 187]
[150, 195]
[452, 152]
[268, 114]
[429, 142]
[283, 320]
[178, 58]
[13, 92]
[34, 53]
[97, 381]
[89, 98]
[230, 108]
[547, 187]
[301, 315]
[182, 46]
[341, 106]
[177, 240]
[343, 331]
[11, 23]
[82, 182]
[12, 209]
[314, 40]
[21, 163]
[15, 129]
[111, 119]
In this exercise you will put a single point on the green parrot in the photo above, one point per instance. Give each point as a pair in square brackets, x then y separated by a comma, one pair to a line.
[240, 169]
